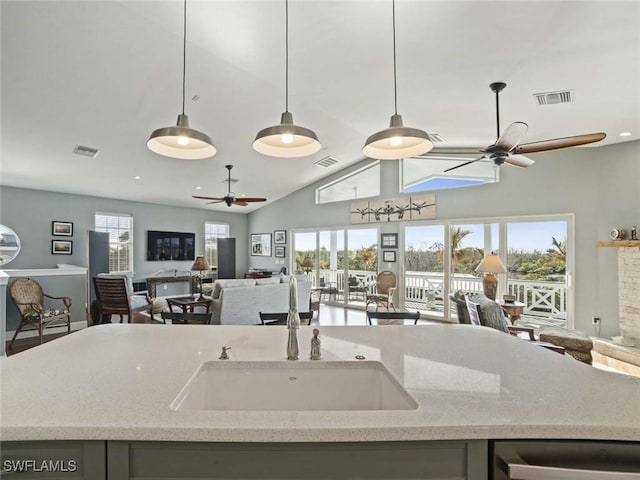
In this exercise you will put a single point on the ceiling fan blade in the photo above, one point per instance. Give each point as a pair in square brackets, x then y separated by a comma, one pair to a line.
[240, 203]
[214, 202]
[208, 198]
[512, 136]
[519, 161]
[557, 143]
[464, 164]
[251, 199]
[452, 151]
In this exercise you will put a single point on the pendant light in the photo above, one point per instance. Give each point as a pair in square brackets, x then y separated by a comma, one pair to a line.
[181, 141]
[397, 141]
[286, 140]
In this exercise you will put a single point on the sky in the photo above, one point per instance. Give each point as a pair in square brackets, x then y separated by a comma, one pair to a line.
[527, 236]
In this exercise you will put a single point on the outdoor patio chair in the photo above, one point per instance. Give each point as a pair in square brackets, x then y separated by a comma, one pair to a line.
[28, 296]
[386, 284]
[357, 290]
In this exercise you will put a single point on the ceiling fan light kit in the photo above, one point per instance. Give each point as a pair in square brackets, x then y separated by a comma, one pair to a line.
[397, 141]
[230, 198]
[286, 140]
[507, 148]
[181, 141]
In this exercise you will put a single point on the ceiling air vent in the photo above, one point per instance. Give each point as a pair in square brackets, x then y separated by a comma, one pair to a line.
[553, 98]
[86, 151]
[435, 138]
[326, 162]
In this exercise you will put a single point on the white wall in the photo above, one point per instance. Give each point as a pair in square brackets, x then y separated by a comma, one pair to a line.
[600, 186]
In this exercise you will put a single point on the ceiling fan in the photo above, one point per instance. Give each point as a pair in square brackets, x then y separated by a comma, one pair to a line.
[507, 148]
[230, 197]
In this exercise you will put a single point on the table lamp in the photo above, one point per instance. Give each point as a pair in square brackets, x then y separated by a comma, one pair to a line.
[200, 265]
[307, 264]
[490, 265]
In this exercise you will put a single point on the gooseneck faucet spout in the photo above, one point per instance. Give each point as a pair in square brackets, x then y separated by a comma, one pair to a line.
[293, 320]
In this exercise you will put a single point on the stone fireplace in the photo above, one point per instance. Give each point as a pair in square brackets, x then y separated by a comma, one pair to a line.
[629, 291]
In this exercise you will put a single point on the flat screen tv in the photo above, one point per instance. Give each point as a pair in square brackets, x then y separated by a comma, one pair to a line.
[170, 246]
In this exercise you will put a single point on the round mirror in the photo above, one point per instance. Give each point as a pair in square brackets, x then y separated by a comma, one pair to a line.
[9, 244]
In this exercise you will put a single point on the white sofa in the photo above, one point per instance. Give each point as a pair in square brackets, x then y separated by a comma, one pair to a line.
[239, 302]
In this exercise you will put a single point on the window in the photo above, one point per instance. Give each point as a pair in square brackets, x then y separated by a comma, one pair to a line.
[120, 230]
[364, 182]
[213, 231]
[419, 175]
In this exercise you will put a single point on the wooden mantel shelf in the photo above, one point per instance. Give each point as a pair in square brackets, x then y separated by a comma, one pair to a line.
[619, 243]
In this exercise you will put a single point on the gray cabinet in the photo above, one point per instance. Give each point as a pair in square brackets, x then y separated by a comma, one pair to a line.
[54, 460]
[381, 460]
[567, 460]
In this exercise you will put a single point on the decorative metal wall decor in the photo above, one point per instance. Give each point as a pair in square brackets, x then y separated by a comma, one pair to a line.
[415, 207]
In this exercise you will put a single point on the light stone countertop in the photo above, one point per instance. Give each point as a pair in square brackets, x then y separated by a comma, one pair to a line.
[116, 382]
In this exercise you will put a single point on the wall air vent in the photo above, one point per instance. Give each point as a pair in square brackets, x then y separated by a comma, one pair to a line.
[436, 138]
[86, 151]
[326, 162]
[553, 98]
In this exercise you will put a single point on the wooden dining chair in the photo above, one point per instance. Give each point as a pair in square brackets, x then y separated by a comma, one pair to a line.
[392, 318]
[280, 318]
[187, 318]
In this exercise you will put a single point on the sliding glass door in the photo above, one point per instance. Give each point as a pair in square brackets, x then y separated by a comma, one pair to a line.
[362, 265]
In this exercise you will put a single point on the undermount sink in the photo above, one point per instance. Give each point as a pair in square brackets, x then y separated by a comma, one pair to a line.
[293, 386]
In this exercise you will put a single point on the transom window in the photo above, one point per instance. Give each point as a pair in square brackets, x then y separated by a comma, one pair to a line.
[120, 230]
[364, 182]
[425, 174]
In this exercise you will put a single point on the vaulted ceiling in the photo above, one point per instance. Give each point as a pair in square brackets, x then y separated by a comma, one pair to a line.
[104, 74]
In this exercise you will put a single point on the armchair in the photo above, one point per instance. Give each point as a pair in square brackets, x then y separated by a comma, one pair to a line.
[386, 284]
[28, 296]
[115, 298]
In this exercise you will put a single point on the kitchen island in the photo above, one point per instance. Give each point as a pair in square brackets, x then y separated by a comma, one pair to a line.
[116, 383]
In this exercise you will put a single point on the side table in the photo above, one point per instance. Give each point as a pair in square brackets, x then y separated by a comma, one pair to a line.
[513, 310]
[187, 304]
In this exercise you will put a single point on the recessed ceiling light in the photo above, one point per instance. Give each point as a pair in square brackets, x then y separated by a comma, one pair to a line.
[137, 177]
[625, 134]
[198, 188]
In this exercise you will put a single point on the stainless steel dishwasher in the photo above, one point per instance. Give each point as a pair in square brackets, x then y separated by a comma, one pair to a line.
[566, 460]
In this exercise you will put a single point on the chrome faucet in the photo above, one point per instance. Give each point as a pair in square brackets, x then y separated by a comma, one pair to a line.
[293, 320]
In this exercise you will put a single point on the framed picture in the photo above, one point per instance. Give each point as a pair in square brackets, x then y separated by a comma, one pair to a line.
[261, 244]
[61, 247]
[279, 237]
[64, 229]
[278, 251]
[389, 240]
[388, 256]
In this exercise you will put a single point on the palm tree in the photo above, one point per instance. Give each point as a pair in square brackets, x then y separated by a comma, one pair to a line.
[457, 234]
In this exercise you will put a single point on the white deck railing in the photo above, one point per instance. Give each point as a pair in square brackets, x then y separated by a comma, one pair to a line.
[424, 291]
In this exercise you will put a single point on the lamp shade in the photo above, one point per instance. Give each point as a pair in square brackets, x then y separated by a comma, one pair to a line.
[491, 264]
[307, 263]
[286, 140]
[181, 141]
[200, 264]
[397, 142]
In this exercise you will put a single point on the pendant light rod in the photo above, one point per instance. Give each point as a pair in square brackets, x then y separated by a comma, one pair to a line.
[286, 55]
[286, 140]
[395, 84]
[497, 115]
[180, 140]
[184, 52]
